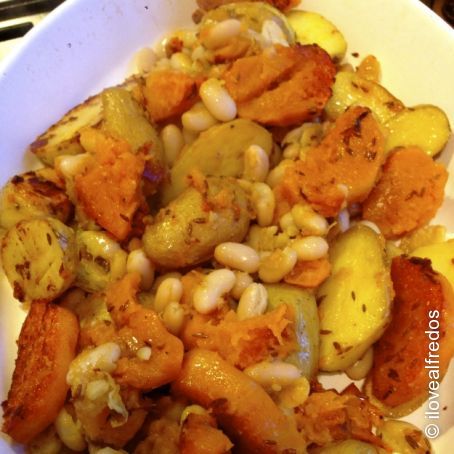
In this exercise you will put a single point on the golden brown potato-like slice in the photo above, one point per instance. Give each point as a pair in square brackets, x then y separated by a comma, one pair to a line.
[420, 334]
[408, 194]
[242, 407]
[39, 258]
[62, 138]
[47, 345]
[28, 196]
[425, 126]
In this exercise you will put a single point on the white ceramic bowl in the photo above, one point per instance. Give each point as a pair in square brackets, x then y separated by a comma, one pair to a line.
[86, 45]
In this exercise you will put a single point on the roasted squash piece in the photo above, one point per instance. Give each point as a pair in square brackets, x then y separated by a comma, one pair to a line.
[289, 92]
[421, 333]
[408, 194]
[170, 93]
[47, 345]
[243, 409]
[200, 435]
[110, 190]
[343, 167]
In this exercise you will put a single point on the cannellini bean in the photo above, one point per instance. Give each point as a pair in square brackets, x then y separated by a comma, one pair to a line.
[295, 394]
[287, 225]
[195, 409]
[170, 289]
[199, 54]
[343, 220]
[264, 202]
[293, 136]
[217, 100]
[253, 302]
[207, 295]
[144, 353]
[189, 136]
[180, 61]
[242, 282]
[221, 33]
[310, 247]
[173, 141]
[278, 264]
[145, 59]
[278, 373]
[70, 166]
[308, 221]
[361, 368]
[291, 151]
[237, 256]
[273, 34]
[103, 358]
[198, 118]
[256, 164]
[277, 174]
[371, 225]
[173, 317]
[138, 262]
[134, 243]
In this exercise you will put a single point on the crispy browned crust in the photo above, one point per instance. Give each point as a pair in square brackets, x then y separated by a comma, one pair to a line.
[47, 345]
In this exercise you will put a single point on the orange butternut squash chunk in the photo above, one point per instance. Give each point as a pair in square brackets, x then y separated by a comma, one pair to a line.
[309, 274]
[409, 193]
[141, 327]
[283, 86]
[110, 190]
[344, 166]
[242, 407]
[47, 345]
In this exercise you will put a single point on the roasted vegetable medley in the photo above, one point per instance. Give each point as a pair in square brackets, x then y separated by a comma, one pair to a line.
[203, 242]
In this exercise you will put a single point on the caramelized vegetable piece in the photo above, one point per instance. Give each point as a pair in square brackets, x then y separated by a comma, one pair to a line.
[309, 274]
[199, 435]
[283, 86]
[244, 342]
[344, 166]
[170, 93]
[47, 345]
[421, 333]
[409, 192]
[243, 408]
[110, 191]
[138, 327]
[30, 195]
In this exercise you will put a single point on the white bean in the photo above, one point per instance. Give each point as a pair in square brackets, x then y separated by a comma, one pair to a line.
[173, 141]
[221, 33]
[208, 295]
[287, 225]
[217, 100]
[292, 136]
[70, 431]
[295, 394]
[189, 136]
[264, 202]
[253, 302]
[144, 353]
[170, 289]
[70, 166]
[273, 34]
[256, 164]
[173, 317]
[310, 247]
[145, 59]
[276, 175]
[180, 61]
[242, 282]
[343, 220]
[278, 373]
[308, 221]
[198, 118]
[275, 266]
[95, 389]
[237, 256]
[138, 262]
[361, 368]
[195, 409]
